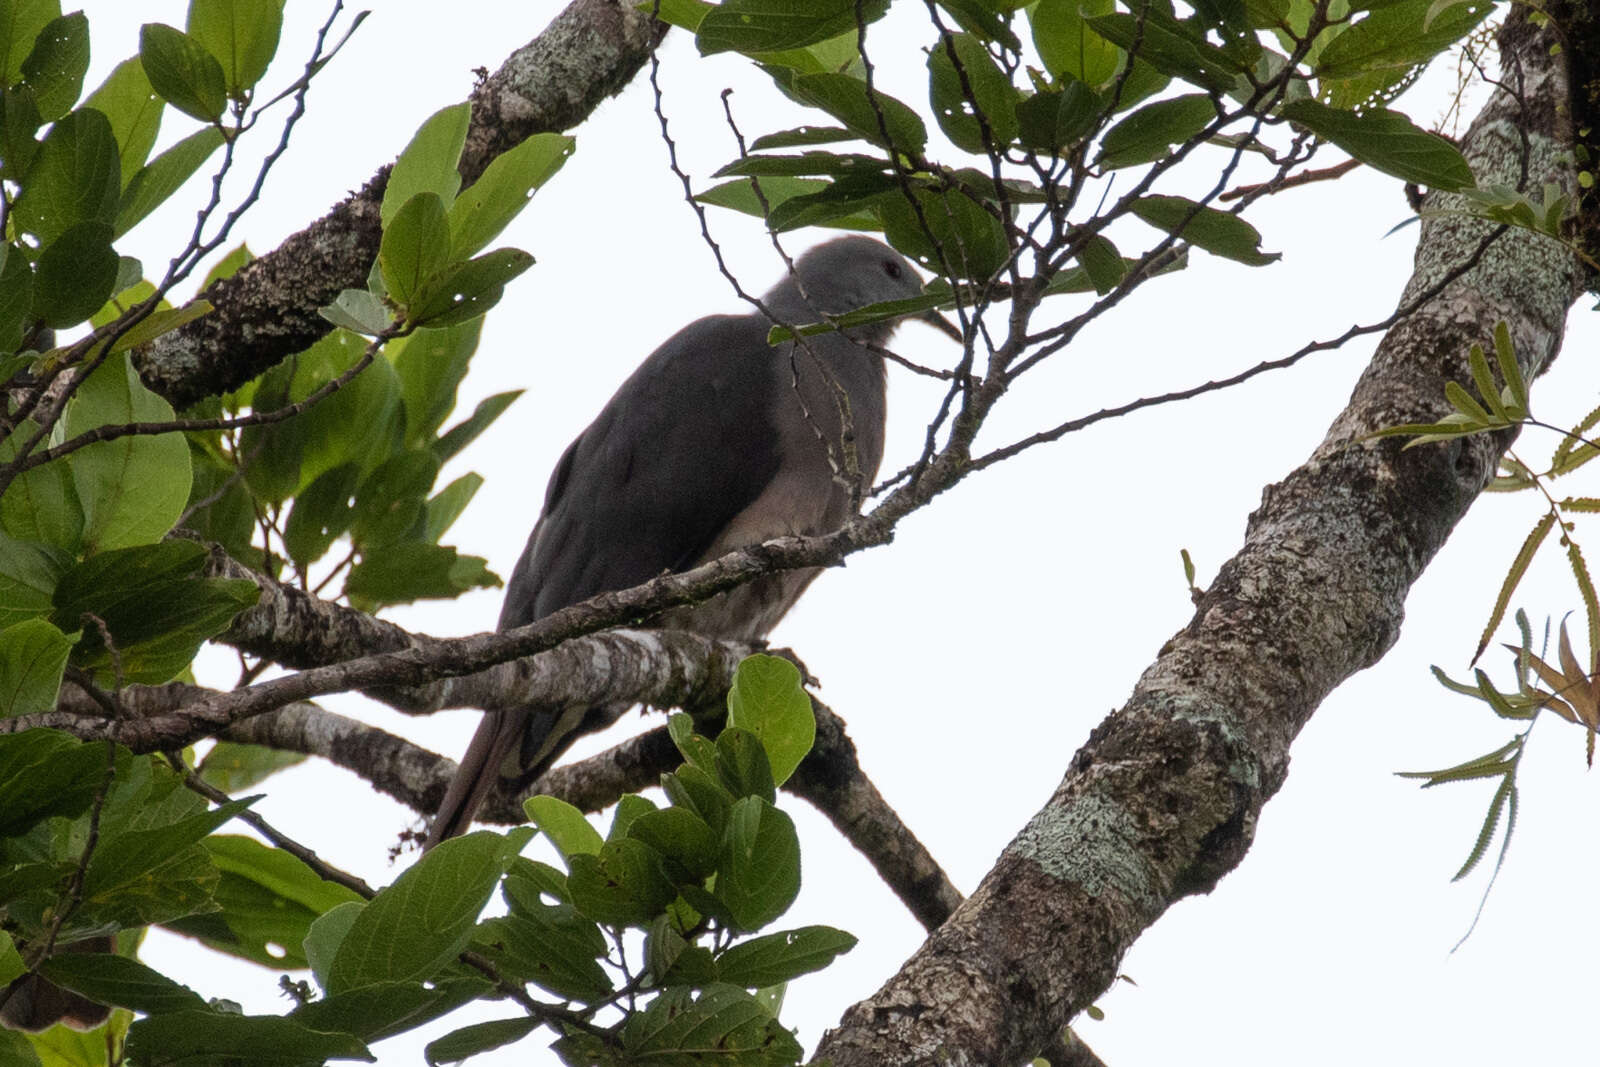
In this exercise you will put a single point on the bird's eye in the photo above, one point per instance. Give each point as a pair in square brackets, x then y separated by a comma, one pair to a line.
[891, 268]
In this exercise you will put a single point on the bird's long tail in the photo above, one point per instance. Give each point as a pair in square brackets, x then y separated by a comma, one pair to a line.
[498, 734]
[539, 737]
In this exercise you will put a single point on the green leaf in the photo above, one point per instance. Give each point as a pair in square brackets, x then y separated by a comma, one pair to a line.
[752, 26]
[28, 576]
[742, 765]
[357, 311]
[428, 164]
[120, 982]
[16, 299]
[268, 901]
[564, 825]
[181, 69]
[466, 431]
[55, 68]
[415, 570]
[1400, 35]
[759, 873]
[620, 885]
[467, 290]
[388, 1008]
[1066, 44]
[695, 789]
[801, 135]
[242, 34]
[550, 945]
[134, 111]
[457, 1045]
[724, 1018]
[33, 655]
[416, 926]
[768, 699]
[77, 273]
[486, 206]
[322, 513]
[1103, 263]
[775, 958]
[446, 506]
[40, 505]
[965, 236]
[131, 856]
[21, 22]
[233, 767]
[1149, 133]
[416, 246]
[1055, 120]
[681, 836]
[131, 489]
[326, 934]
[154, 183]
[1171, 47]
[1218, 232]
[1386, 141]
[971, 95]
[778, 192]
[44, 773]
[874, 116]
[696, 750]
[149, 598]
[190, 1037]
[430, 365]
[75, 177]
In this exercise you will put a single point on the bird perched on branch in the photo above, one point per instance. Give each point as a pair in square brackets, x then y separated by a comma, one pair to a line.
[718, 441]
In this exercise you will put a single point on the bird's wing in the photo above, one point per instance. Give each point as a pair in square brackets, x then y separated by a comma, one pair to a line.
[683, 447]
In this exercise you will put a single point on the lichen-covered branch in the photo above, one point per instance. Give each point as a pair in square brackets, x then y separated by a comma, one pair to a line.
[268, 310]
[1163, 799]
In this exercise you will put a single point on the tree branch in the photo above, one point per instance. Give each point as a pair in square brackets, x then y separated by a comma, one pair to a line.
[1163, 799]
[268, 310]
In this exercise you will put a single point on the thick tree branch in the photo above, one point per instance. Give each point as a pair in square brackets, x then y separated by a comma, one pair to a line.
[1163, 799]
[268, 310]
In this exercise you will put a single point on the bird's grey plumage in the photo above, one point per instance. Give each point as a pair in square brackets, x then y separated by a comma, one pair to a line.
[716, 441]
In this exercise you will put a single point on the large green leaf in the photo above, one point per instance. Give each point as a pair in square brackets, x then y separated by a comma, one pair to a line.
[77, 273]
[151, 602]
[131, 489]
[872, 115]
[134, 111]
[1387, 141]
[752, 26]
[55, 68]
[182, 70]
[486, 206]
[1069, 48]
[1218, 232]
[241, 34]
[195, 1036]
[416, 926]
[970, 94]
[40, 504]
[1149, 133]
[20, 24]
[768, 700]
[76, 177]
[28, 576]
[45, 773]
[33, 654]
[759, 874]
[152, 184]
[775, 958]
[428, 163]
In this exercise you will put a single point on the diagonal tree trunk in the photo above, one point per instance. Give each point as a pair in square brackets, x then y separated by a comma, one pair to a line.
[1163, 799]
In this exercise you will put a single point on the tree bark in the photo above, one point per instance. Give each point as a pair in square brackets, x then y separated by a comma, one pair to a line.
[1163, 799]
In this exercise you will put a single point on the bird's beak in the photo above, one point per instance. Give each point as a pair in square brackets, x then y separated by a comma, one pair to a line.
[933, 318]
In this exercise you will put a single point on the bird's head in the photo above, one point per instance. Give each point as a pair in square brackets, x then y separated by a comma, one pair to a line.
[847, 273]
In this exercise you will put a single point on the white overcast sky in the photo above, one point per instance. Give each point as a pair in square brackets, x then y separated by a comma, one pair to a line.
[973, 656]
